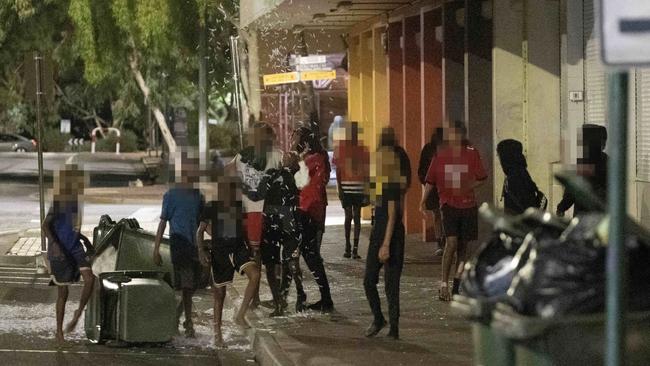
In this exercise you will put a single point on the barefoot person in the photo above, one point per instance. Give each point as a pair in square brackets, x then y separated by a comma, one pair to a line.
[389, 182]
[456, 171]
[66, 255]
[251, 163]
[222, 217]
[181, 207]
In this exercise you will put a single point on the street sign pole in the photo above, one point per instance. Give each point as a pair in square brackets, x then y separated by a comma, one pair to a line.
[39, 134]
[616, 252]
[234, 49]
[203, 92]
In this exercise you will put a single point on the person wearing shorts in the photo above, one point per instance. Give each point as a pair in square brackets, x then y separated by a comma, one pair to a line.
[181, 207]
[227, 252]
[68, 261]
[456, 171]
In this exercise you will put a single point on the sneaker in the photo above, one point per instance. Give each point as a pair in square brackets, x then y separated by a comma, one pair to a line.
[322, 306]
[375, 328]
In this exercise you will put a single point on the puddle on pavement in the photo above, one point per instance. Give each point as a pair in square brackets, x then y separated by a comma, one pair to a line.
[34, 320]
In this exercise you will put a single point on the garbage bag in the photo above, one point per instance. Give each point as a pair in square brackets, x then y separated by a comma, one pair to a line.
[563, 275]
[490, 273]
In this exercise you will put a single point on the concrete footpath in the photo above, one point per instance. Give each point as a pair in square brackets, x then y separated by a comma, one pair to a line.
[430, 335]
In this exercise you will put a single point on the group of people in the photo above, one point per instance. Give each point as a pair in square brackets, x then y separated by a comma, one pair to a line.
[267, 208]
[453, 167]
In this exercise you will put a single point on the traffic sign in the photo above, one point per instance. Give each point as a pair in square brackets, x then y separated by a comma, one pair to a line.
[314, 59]
[75, 142]
[65, 126]
[309, 67]
[318, 75]
[625, 27]
[283, 78]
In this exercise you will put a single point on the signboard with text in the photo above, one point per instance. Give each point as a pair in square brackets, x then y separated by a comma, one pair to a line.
[318, 75]
[625, 27]
[282, 78]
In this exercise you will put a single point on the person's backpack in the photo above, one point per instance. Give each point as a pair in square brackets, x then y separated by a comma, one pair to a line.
[538, 200]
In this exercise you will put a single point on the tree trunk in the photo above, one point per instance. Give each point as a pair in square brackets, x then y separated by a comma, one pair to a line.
[158, 114]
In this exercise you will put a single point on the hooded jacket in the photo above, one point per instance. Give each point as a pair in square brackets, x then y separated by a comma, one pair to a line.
[519, 189]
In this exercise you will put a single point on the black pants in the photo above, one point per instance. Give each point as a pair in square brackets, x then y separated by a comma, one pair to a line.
[311, 253]
[392, 273]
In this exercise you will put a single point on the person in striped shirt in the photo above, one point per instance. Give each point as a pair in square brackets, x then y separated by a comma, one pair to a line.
[352, 161]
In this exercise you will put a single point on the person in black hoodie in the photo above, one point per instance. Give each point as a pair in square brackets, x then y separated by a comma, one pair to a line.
[519, 190]
[592, 166]
[433, 201]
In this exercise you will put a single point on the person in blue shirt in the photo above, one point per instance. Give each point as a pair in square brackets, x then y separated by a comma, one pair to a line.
[181, 207]
[67, 258]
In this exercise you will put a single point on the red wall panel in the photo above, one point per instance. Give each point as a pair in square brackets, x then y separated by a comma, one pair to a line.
[411, 136]
[395, 76]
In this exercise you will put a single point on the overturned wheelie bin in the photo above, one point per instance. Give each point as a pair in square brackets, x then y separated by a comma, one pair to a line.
[133, 300]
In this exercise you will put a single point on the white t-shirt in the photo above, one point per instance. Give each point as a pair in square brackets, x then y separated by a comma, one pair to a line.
[252, 177]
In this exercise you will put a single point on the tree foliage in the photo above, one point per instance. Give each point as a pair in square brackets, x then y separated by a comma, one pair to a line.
[95, 44]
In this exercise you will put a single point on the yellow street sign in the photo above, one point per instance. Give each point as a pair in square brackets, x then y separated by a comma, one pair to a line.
[283, 78]
[317, 75]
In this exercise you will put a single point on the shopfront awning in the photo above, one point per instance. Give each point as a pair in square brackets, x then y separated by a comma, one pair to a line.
[326, 14]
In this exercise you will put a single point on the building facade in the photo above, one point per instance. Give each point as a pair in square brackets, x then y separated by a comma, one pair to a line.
[525, 69]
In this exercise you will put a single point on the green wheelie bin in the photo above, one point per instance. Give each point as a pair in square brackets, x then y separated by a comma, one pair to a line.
[490, 348]
[133, 300]
[570, 340]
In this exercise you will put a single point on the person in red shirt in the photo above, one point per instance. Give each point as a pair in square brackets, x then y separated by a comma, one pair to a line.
[352, 161]
[311, 210]
[456, 171]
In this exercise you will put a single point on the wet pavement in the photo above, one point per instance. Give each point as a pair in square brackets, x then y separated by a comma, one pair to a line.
[430, 335]
[27, 324]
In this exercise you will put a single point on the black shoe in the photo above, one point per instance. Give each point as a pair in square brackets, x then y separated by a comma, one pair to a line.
[269, 304]
[347, 255]
[393, 333]
[322, 306]
[356, 255]
[375, 328]
[455, 289]
[189, 329]
[300, 306]
[277, 312]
